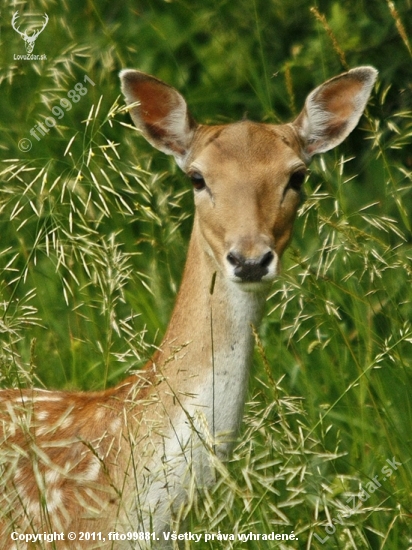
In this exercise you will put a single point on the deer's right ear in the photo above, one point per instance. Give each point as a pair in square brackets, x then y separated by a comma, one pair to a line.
[160, 112]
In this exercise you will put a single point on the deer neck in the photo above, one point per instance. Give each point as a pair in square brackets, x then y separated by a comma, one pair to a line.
[207, 350]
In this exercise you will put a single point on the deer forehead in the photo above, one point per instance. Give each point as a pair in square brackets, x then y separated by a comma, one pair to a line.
[245, 151]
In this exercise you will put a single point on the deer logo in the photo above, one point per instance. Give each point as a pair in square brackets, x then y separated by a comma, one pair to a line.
[28, 40]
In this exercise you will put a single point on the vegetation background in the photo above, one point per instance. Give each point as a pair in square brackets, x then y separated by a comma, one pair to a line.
[94, 226]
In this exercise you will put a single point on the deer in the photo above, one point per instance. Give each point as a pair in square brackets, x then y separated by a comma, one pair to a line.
[123, 460]
[29, 41]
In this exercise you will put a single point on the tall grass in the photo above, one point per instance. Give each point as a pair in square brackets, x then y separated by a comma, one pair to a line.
[94, 224]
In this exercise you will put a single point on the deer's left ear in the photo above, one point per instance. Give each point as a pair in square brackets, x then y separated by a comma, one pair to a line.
[333, 110]
[160, 112]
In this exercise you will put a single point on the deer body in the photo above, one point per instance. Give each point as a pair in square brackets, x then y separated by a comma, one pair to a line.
[124, 459]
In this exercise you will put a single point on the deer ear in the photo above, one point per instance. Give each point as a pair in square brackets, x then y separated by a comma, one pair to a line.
[333, 110]
[160, 113]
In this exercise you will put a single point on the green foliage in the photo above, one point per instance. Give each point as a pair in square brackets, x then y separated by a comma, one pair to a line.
[94, 226]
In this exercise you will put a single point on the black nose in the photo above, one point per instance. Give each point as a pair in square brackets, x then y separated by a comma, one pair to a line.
[250, 270]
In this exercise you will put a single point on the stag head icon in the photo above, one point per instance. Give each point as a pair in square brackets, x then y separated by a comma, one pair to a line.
[28, 40]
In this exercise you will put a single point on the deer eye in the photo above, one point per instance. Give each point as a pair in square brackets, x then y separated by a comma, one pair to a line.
[296, 180]
[197, 180]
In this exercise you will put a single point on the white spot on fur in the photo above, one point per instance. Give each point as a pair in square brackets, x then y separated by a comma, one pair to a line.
[47, 398]
[68, 467]
[32, 507]
[93, 469]
[27, 399]
[18, 474]
[42, 415]
[51, 477]
[67, 422]
[100, 414]
[115, 426]
[54, 500]
[43, 430]
[20, 487]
